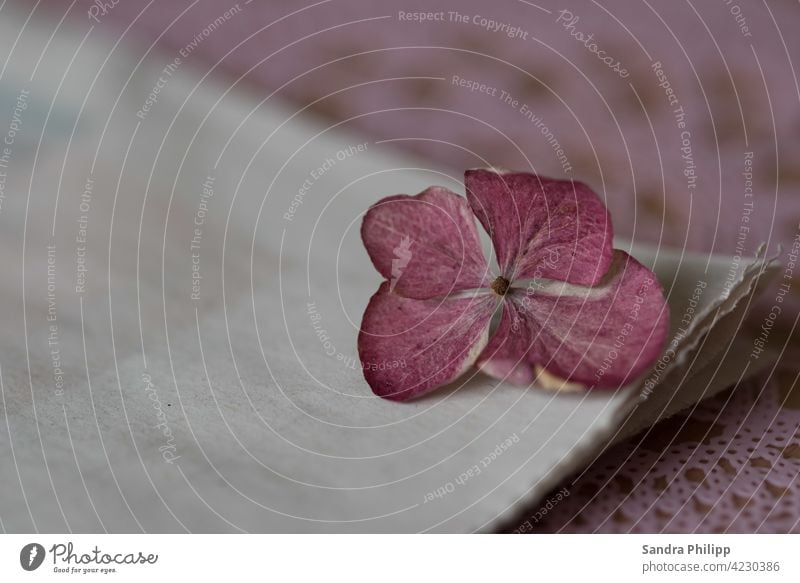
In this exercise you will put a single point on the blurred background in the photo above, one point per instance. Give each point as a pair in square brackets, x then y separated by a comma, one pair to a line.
[684, 115]
[362, 65]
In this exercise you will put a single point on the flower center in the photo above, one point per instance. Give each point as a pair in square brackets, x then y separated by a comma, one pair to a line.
[500, 286]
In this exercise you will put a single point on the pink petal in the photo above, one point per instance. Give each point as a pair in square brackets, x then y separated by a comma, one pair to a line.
[408, 347]
[542, 228]
[604, 336]
[425, 245]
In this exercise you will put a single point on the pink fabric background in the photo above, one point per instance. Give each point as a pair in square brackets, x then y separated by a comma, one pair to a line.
[730, 465]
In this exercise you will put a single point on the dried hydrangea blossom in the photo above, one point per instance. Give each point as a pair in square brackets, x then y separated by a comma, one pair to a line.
[572, 307]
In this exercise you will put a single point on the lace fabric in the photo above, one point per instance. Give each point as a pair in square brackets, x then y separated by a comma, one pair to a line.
[729, 465]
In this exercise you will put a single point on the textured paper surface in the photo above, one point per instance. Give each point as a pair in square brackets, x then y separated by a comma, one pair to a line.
[267, 423]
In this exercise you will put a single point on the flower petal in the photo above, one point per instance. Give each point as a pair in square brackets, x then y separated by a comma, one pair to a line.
[425, 245]
[408, 347]
[542, 228]
[603, 336]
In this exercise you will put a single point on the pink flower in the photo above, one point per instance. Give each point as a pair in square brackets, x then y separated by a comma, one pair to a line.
[571, 305]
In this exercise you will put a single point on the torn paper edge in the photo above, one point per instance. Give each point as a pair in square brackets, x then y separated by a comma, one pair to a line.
[598, 437]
